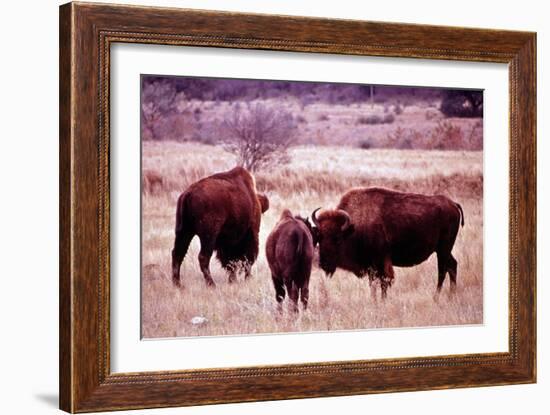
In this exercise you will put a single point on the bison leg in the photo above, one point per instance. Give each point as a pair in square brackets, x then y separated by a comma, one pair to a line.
[304, 296]
[373, 291]
[204, 261]
[442, 260]
[451, 268]
[387, 277]
[384, 288]
[279, 292]
[247, 265]
[230, 261]
[232, 271]
[181, 244]
[293, 295]
[372, 275]
[251, 245]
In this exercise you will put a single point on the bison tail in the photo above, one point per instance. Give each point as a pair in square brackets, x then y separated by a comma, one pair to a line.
[181, 212]
[461, 213]
[299, 244]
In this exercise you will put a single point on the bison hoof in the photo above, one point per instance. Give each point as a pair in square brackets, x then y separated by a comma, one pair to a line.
[210, 283]
[176, 282]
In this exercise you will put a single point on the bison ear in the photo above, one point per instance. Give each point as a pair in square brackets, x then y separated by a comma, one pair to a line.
[349, 231]
[264, 202]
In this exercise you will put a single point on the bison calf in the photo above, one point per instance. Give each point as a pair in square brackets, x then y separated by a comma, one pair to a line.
[224, 210]
[289, 252]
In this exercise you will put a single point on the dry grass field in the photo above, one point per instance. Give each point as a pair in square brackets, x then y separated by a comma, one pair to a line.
[316, 176]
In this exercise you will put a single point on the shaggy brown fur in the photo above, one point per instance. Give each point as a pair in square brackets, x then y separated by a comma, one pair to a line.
[374, 229]
[224, 210]
[289, 252]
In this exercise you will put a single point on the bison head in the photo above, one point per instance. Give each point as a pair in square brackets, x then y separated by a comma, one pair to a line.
[333, 227]
[264, 202]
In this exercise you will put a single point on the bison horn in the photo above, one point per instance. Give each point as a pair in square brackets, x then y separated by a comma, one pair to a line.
[347, 222]
[314, 218]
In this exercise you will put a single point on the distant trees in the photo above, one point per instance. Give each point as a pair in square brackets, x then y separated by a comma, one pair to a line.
[258, 135]
[215, 89]
[157, 101]
[462, 103]
[164, 110]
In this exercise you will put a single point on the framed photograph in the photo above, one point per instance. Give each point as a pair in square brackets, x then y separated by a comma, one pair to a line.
[258, 207]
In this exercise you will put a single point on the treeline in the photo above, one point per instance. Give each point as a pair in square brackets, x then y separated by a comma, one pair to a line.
[456, 103]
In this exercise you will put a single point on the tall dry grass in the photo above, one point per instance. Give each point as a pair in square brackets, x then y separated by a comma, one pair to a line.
[317, 176]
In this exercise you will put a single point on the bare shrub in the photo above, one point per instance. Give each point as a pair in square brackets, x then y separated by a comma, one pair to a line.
[444, 136]
[177, 127]
[405, 139]
[431, 114]
[259, 136]
[447, 136]
[398, 109]
[365, 144]
[152, 181]
[388, 119]
[207, 132]
[375, 119]
[475, 138]
[369, 119]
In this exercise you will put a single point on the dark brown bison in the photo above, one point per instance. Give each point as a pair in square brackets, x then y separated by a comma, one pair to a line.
[224, 210]
[373, 229]
[289, 252]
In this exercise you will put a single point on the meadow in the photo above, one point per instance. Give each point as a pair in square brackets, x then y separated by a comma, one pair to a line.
[316, 176]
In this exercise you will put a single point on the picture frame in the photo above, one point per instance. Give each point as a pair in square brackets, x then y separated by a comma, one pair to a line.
[87, 32]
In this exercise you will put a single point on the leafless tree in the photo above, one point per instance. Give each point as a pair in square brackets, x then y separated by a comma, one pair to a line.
[164, 110]
[258, 135]
[157, 101]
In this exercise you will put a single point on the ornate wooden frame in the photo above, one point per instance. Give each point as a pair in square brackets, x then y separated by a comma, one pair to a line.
[86, 33]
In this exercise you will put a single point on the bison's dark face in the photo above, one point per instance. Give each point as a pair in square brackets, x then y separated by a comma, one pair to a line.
[264, 201]
[313, 231]
[333, 228]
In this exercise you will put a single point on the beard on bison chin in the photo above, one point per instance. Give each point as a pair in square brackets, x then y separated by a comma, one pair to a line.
[327, 267]
[329, 272]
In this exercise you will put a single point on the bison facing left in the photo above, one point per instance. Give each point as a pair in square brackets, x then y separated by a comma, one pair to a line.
[373, 229]
[224, 210]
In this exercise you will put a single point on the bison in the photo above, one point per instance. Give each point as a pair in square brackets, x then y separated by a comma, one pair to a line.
[373, 229]
[224, 210]
[289, 251]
